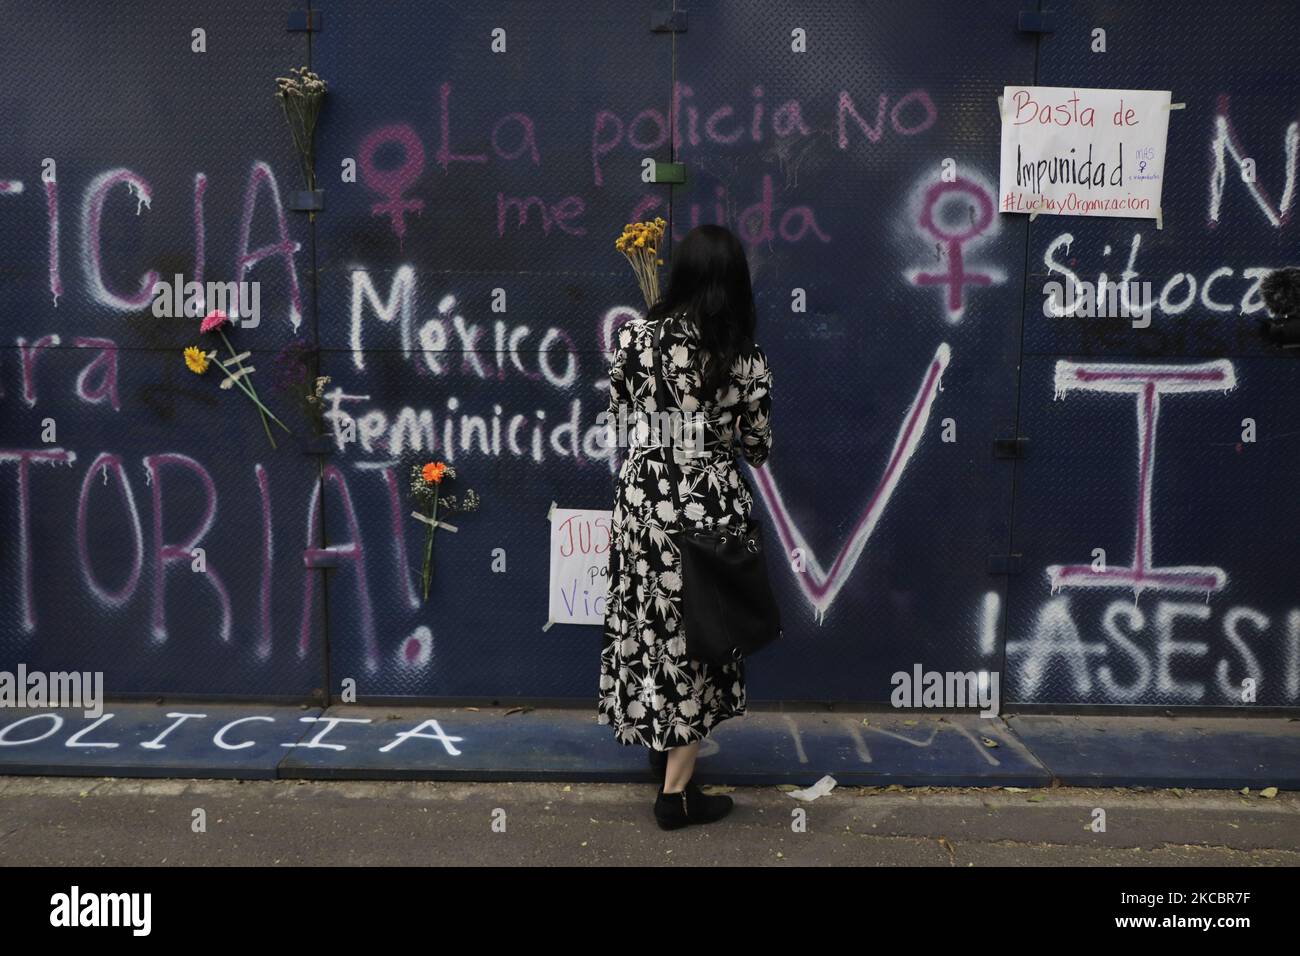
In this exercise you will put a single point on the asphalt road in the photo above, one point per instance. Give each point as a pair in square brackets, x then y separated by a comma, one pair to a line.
[56, 821]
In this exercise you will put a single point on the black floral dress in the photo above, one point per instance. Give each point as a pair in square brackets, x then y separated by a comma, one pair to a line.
[650, 692]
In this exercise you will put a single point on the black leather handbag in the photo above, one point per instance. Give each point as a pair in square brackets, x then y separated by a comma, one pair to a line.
[728, 608]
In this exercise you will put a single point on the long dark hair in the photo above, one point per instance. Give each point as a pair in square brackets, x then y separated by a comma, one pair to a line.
[709, 280]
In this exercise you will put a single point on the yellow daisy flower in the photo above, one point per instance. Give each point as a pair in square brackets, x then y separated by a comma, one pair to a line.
[196, 359]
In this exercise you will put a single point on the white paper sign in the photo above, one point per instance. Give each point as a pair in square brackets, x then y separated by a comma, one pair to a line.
[1080, 152]
[580, 539]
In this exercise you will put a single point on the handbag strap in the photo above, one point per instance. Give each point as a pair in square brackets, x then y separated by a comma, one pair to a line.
[661, 393]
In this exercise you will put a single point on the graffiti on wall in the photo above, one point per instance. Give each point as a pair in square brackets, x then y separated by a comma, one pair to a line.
[421, 363]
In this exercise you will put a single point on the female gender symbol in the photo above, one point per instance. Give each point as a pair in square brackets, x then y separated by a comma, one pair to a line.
[956, 276]
[391, 183]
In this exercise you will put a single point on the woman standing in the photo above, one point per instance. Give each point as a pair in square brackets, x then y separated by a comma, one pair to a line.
[651, 693]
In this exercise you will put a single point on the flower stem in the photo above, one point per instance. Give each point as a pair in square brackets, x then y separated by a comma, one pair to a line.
[251, 397]
[251, 387]
[428, 546]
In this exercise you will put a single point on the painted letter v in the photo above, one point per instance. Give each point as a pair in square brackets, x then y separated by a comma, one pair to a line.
[821, 586]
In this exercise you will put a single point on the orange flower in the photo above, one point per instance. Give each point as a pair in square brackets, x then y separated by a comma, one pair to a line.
[433, 471]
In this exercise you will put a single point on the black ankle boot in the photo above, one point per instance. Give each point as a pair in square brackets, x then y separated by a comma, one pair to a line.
[674, 810]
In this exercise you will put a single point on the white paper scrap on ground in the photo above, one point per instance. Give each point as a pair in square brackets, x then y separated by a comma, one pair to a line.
[580, 539]
[819, 789]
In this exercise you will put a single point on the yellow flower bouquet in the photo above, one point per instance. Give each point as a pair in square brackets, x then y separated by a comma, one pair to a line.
[640, 244]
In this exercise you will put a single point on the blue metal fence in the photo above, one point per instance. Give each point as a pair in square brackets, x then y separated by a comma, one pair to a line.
[459, 292]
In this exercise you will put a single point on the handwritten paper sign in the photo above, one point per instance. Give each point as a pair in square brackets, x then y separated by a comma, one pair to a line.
[580, 539]
[1073, 152]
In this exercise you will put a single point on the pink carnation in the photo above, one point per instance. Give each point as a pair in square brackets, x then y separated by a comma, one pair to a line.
[214, 320]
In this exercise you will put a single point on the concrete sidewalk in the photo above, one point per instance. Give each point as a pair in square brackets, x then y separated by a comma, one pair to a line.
[907, 748]
[78, 823]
